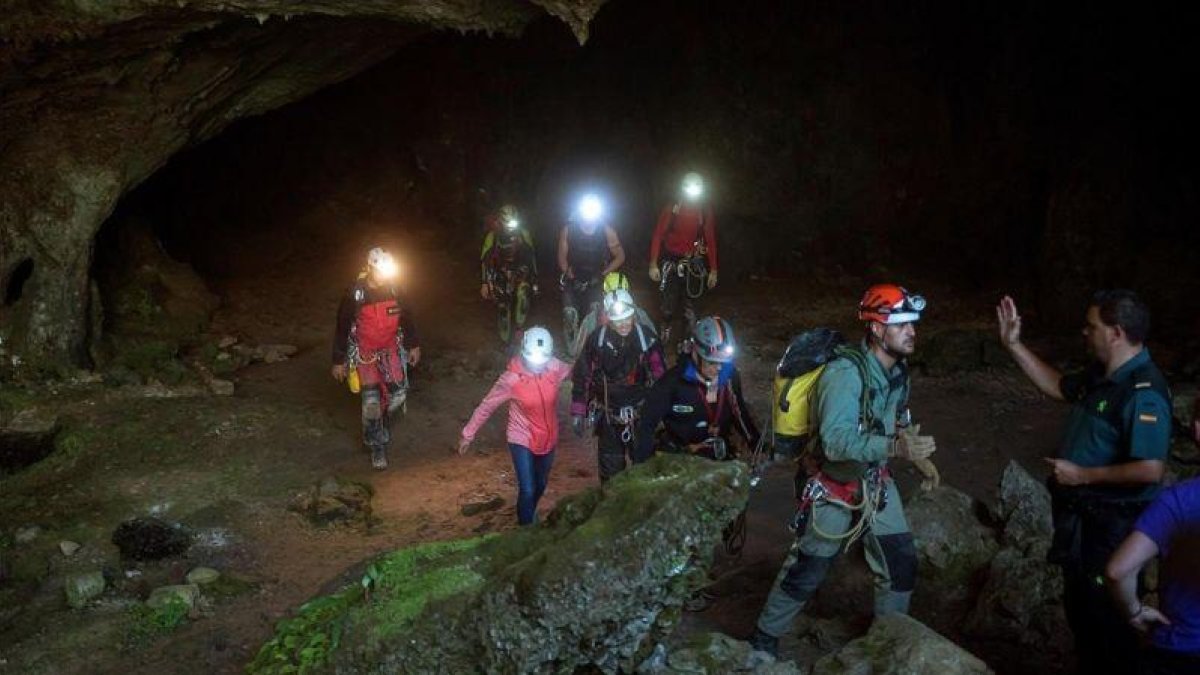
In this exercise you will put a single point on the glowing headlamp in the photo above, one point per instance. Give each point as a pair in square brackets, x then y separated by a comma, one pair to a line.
[693, 190]
[591, 208]
[386, 268]
[512, 224]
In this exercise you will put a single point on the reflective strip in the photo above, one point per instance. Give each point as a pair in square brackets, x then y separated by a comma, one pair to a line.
[1147, 417]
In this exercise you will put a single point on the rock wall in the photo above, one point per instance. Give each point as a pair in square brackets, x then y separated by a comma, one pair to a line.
[95, 97]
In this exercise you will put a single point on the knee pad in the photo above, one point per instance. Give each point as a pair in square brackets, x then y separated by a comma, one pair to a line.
[901, 555]
[805, 575]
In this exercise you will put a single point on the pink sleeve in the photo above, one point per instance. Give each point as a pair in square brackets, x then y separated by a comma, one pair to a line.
[499, 393]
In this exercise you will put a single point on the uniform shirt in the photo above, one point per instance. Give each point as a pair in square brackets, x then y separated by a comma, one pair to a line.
[1098, 434]
[1172, 522]
[845, 444]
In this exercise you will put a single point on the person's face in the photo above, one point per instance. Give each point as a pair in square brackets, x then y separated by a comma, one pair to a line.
[623, 327]
[1098, 337]
[897, 338]
[709, 369]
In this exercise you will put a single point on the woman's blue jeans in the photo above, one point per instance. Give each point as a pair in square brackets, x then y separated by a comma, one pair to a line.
[533, 471]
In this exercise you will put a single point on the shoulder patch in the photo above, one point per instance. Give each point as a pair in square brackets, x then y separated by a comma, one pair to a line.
[1142, 385]
[1148, 418]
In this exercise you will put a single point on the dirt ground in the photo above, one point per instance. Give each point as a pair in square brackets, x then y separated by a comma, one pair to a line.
[230, 465]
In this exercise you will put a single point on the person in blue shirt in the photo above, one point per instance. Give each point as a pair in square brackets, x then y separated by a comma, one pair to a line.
[1109, 465]
[1170, 528]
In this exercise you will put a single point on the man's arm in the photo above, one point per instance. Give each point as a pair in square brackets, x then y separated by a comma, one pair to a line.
[839, 395]
[710, 238]
[658, 402]
[1140, 472]
[615, 250]
[341, 333]
[1043, 376]
[563, 265]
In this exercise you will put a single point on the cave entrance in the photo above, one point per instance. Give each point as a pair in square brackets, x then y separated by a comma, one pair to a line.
[14, 285]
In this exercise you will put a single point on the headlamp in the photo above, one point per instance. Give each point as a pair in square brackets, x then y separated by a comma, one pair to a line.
[915, 303]
[387, 268]
[693, 190]
[512, 224]
[591, 208]
[537, 357]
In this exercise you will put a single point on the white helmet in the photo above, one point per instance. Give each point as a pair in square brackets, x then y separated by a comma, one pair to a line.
[619, 305]
[382, 263]
[537, 346]
[693, 185]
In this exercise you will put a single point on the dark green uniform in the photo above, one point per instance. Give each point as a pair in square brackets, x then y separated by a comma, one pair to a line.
[1124, 417]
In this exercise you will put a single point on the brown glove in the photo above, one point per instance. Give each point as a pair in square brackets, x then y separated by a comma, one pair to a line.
[927, 469]
[911, 445]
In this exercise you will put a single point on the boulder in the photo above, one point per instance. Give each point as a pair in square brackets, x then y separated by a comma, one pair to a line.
[202, 575]
[150, 539]
[335, 500]
[953, 546]
[1022, 601]
[714, 654]
[68, 548]
[1023, 506]
[187, 594]
[900, 645]
[83, 587]
[600, 582]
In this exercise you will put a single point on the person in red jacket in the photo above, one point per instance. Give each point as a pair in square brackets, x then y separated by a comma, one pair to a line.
[376, 337]
[530, 385]
[683, 253]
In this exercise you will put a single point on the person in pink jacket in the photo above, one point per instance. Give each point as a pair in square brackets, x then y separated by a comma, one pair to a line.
[531, 385]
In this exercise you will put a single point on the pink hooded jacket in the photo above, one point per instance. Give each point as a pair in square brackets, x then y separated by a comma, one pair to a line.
[532, 415]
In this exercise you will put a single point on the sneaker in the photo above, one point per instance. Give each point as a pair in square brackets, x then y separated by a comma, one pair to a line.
[379, 458]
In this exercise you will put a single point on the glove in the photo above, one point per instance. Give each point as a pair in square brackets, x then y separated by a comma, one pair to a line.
[712, 279]
[577, 425]
[930, 472]
[655, 274]
[911, 445]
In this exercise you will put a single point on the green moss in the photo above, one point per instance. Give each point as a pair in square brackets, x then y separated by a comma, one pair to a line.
[145, 624]
[395, 589]
[227, 587]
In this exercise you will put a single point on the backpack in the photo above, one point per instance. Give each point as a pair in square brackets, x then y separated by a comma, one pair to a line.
[797, 374]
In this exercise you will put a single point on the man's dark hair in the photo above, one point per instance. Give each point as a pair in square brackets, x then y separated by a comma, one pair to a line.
[1121, 307]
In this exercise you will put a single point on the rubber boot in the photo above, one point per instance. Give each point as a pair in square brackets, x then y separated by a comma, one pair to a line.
[379, 457]
[762, 642]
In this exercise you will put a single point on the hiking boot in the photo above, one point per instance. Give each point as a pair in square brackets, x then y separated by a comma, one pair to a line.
[379, 458]
[761, 642]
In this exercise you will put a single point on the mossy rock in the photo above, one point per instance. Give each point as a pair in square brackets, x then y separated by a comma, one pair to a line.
[586, 588]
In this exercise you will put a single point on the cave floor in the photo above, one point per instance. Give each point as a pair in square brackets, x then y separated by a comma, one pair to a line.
[228, 466]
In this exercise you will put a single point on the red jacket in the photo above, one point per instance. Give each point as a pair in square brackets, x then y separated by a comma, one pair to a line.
[679, 227]
[532, 415]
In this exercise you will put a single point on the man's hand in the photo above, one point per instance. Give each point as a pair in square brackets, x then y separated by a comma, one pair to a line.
[1147, 618]
[1009, 321]
[569, 273]
[1067, 473]
[485, 291]
[339, 372]
[577, 425]
[463, 446]
[414, 356]
[911, 445]
[655, 273]
[712, 279]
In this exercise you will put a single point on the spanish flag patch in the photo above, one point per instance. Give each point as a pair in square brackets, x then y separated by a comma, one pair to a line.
[1148, 418]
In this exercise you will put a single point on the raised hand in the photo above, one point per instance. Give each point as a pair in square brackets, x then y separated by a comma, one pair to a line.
[1009, 321]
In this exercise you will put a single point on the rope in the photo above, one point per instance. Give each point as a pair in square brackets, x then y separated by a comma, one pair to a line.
[870, 501]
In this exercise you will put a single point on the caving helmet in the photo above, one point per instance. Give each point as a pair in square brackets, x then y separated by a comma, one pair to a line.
[618, 305]
[712, 340]
[537, 346]
[890, 304]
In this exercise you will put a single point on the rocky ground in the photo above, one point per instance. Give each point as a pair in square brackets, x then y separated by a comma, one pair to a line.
[260, 470]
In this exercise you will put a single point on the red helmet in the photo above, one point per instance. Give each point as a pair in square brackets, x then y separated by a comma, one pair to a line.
[889, 303]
